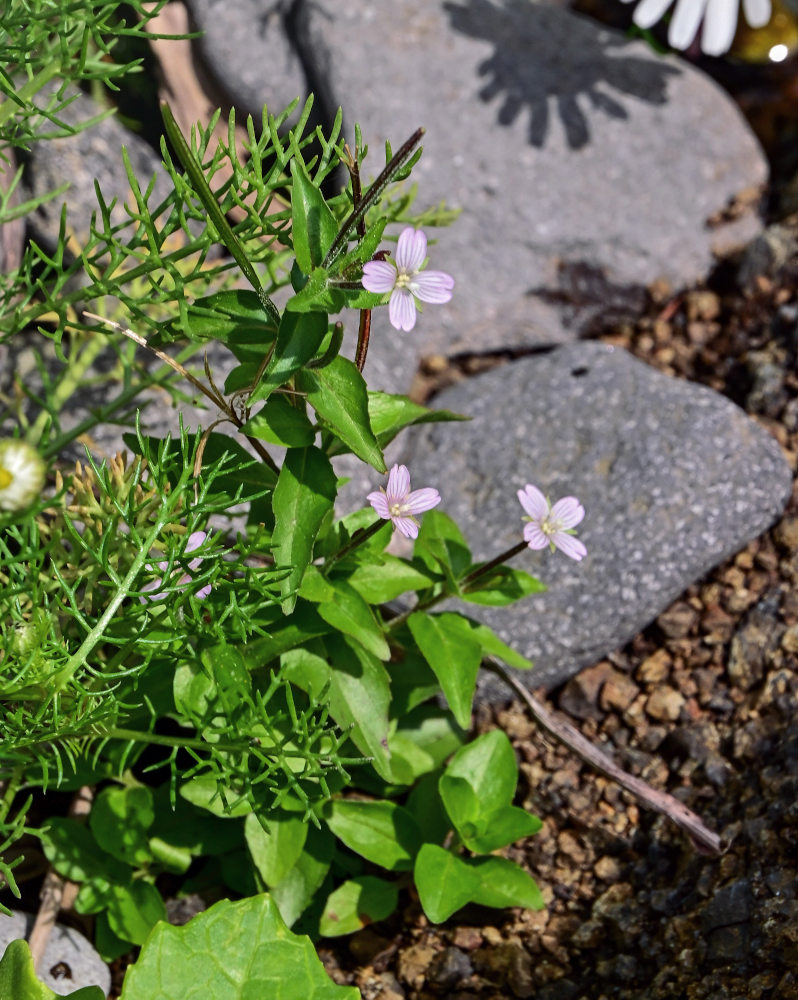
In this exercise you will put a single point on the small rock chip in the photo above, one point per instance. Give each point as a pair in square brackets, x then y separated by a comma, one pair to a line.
[665, 704]
[655, 668]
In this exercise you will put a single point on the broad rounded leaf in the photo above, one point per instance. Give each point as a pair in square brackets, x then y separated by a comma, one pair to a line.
[233, 951]
[382, 832]
[356, 903]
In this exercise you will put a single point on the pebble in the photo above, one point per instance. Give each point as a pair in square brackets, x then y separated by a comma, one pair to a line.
[70, 962]
[665, 704]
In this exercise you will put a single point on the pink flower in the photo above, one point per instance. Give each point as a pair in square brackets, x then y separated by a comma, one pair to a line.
[405, 281]
[552, 526]
[399, 505]
[195, 539]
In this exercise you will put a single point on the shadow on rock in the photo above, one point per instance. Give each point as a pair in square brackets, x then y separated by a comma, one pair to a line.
[538, 60]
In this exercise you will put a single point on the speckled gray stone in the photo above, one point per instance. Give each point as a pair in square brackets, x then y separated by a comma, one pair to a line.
[673, 476]
[93, 153]
[70, 962]
[246, 45]
[586, 165]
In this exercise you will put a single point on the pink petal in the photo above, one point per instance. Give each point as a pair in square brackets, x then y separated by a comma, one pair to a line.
[569, 545]
[402, 310]
[533, 502]
[433, 286]
[195, 539]
[398, 484]
[568, 511]
[203, 592]
[406, 525]
[421, 500]
[152, 585]
[380, 503]
[534, 537]
[411, 249]
[378, 276]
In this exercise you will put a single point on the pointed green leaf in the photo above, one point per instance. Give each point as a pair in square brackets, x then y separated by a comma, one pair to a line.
[391, 413]
[488, 765]
[380, 831]
[445, 883]
[360, 695]
[504, 586]
[441, 546]
[503, 883]
[493, 646]
[313, 226]
[232, 951]
[298, 339]
[338, 394]
[454, 654]
[275, 851]
[134, 909]
[348, 612]
[296, 890]
[120, 819]
[304, 494]
[388, 577]
[280, 422]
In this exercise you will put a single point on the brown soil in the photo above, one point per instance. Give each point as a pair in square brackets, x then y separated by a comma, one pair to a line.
[701, 704]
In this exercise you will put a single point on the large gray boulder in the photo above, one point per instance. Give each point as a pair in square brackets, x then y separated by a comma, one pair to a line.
[673, 476]
[585, 164]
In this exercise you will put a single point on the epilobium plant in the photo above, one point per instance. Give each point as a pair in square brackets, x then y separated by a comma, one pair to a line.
[224, 685]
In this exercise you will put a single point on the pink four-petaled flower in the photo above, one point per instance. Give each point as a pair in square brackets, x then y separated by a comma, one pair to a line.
[406, 280]
[195, 539]
[398, 504]
[552, 525]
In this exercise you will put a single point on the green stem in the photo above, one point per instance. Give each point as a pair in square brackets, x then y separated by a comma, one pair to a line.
[10, 788]
[360, 536]
[488, 567]
[69, 384]
[196, 743]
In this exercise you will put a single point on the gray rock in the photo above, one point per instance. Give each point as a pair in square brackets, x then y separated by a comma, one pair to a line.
[93, 153]
[674, 478]
[586, 165]
[70, 962]
[248, 49]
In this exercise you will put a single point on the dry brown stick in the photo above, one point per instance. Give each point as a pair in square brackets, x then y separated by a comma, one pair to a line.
[57, 893]
[702, 837]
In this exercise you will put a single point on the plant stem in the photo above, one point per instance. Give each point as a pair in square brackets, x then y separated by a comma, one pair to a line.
[488, 567]
[360, 536]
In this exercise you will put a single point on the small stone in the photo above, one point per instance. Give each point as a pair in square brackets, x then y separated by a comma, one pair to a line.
[678, 620]
[467, 938]
[789, 641]
[412, 964]
[655, 668]
[580, 695]
[568, 845]
[448, 969]
[665, 704]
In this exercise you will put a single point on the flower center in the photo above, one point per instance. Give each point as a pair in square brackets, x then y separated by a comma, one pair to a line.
[403, 278]
[397, 509]
[550, 525]
[6, 479]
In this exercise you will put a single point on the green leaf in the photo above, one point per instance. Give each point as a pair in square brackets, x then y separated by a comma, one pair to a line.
[120, 819]
[487, 764]
[203, 792]
[294, 630]
[71, 849]
[304, 494]
[299, 337]
[391, 413]
[358, 902]
[313, 226]
[493, 646]
[233, 951]
[504, 586]
[360, 696]
[234, 317]
[503, 883]
[477, 789]
[349, 613]
[424, 802]
[434, 731]
[275, 851]
[280, 422]
[18, 978]
[454, 654]
[134, 909]
[441, 546]
[446, 883]
[296, 890]
[385, 579]
[382, 832]
[338, 394]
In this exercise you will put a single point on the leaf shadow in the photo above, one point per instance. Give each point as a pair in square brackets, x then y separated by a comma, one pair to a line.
[543, 58]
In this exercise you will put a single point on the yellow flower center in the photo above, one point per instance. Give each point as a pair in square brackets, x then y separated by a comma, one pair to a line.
[6, 479]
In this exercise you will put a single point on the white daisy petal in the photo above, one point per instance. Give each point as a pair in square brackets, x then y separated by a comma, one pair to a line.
[757, 12]
[648, 12]
[684, 25]
[720, 24]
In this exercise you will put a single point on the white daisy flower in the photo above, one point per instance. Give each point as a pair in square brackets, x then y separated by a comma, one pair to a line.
[719, 20]
[22, 472]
